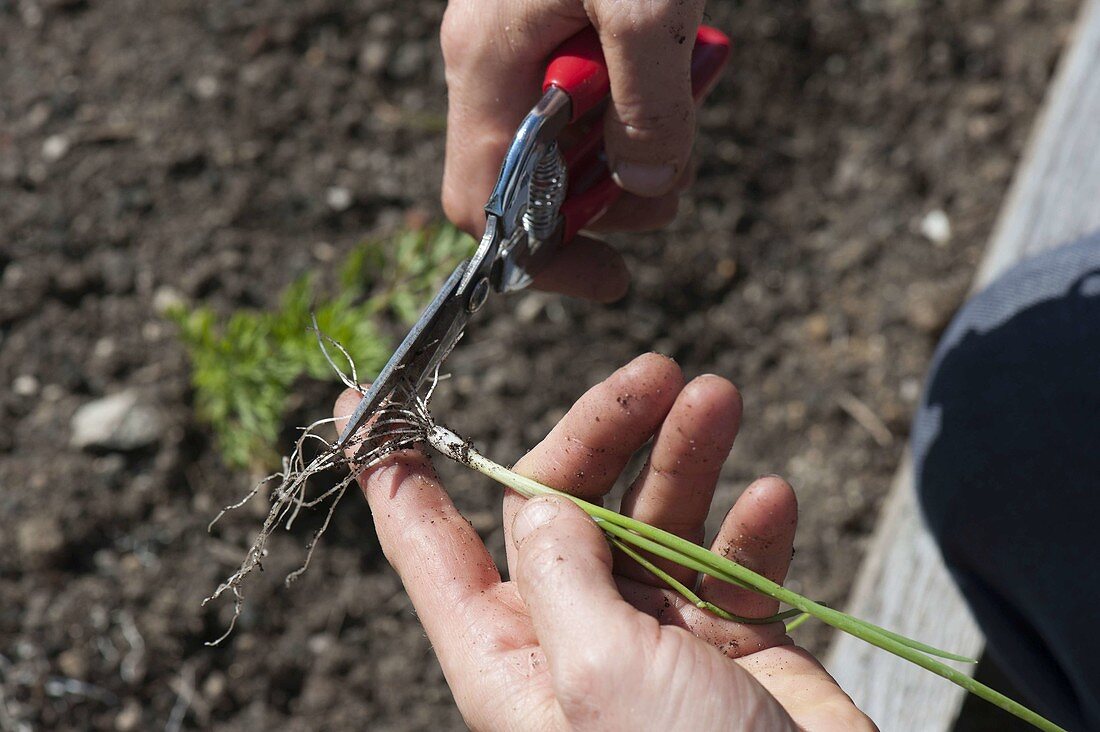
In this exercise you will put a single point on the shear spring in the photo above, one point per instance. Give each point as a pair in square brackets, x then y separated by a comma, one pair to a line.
[546, 194]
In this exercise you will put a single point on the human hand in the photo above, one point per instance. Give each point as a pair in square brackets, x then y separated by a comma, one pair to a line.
[495, 52]
[581, 639]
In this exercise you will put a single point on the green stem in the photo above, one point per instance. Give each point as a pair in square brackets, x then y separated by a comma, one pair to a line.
[802, 618]
[689, 594]
[666, 545]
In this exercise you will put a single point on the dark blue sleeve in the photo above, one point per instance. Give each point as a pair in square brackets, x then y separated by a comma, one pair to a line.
[1007, 454]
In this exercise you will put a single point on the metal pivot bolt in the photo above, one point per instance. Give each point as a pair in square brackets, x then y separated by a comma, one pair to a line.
[478, 295]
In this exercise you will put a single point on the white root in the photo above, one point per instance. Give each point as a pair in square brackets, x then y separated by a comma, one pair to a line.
[401, 423]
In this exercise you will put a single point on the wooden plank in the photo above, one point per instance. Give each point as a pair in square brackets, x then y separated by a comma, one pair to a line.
[1055, 196]
[903, 584]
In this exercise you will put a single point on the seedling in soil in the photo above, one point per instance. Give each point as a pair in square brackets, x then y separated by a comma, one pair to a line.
[243, 368]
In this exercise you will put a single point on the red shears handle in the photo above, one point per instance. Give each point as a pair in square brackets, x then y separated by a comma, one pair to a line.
[578, 68]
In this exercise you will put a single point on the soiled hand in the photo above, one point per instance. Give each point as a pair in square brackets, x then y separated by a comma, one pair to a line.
[585, 639]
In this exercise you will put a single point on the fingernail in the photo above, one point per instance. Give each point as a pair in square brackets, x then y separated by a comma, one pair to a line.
[644, 179]
[536, 513]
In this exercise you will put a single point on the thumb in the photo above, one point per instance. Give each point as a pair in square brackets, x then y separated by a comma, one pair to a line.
[650, 125]
[563, 569]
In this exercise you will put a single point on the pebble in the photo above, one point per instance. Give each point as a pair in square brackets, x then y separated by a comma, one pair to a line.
[166, 298]
[72, 663]
[817, 326]
[214, 686]
[206, 87]
[373, 56]
[39, 539]
[129, 718]
[117, 422]
[936, 227]
[55, 147]
[25, 385]
[928, 308]
[338, 198]
[910, 390]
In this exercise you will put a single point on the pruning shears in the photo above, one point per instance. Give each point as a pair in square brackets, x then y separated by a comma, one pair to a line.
[546, 193]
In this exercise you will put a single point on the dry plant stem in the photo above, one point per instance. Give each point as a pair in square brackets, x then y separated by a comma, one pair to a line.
[663, 544]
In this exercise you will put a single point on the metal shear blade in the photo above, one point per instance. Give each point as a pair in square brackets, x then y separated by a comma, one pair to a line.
[424, 348]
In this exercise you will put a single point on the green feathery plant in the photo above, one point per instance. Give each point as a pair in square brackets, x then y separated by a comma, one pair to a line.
[243, 367]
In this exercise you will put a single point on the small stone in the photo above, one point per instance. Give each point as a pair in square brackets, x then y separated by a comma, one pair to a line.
[338, 198]
[320, 644]
[817, 326]
[910, 390]
[129, 718]
[25, 385]
[214, 686]
[104, 347]
[117, 422]
[152, 331]
[936, 227]
[928, 308]
[165, 299]
[73, 664]
[322, 251]
[206, 87]
[31, 14]
[373, 56]
[726, 268]
[530, 307]
[39, 539]
[55, 147]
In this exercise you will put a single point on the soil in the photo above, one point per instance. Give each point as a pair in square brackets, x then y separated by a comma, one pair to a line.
[215, 151]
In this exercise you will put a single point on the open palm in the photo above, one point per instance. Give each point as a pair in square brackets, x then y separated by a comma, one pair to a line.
[584, 639]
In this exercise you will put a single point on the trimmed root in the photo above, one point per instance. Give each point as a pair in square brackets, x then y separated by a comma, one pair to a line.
[402, 421]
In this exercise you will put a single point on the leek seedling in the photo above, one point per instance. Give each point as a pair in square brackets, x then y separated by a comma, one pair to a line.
[406, 421]
[634, 536]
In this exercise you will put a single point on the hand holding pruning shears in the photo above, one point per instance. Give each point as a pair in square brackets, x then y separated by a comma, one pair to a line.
[496, 53]
[556, 178]
[570, 643]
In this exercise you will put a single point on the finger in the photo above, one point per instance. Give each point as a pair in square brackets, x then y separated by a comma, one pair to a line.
[563, 570]
[650, 124]
[586, 268]
[591, 445]
[675, 488]
[758, 533]
[669, 608]
[436, 552]
[635, 214]
[495, 53]
[805, 689]
[632, 213]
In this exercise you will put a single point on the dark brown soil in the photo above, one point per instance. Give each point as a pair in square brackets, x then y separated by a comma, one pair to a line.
[150, 148]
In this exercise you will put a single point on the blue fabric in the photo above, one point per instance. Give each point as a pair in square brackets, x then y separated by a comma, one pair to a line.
[1007, 456]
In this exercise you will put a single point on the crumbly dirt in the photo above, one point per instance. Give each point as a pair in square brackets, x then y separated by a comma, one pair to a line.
[214, 151]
